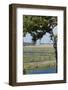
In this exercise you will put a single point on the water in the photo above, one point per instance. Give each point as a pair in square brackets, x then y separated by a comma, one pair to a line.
[50, 70]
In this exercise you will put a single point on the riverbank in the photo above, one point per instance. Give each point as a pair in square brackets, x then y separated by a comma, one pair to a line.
[38, 58]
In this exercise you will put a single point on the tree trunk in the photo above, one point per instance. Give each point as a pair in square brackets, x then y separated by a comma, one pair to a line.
[34, 42]
[55, 47]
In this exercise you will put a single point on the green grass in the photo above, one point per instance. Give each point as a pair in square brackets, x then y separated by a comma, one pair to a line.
[38, 58]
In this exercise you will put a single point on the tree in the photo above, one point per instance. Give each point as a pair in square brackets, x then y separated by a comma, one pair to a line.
[37, 26]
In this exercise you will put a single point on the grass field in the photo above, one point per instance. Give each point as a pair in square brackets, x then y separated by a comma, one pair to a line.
[38, 58]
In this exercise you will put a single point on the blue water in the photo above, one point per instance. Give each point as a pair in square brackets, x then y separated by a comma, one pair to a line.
[50, 70]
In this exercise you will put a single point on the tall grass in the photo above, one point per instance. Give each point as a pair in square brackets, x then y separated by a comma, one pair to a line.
[38, 58]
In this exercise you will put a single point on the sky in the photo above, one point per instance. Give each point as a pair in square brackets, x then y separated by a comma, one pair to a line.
[45, 39]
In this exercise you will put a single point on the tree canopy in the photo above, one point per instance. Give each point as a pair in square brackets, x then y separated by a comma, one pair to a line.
[37, 26]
